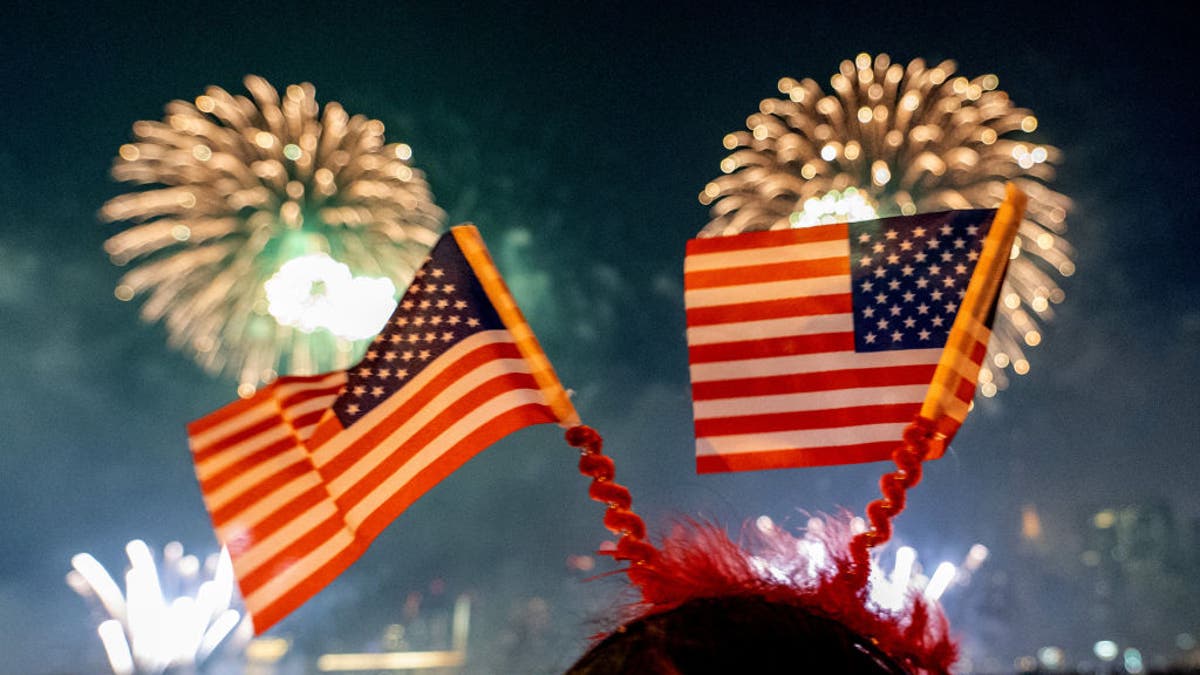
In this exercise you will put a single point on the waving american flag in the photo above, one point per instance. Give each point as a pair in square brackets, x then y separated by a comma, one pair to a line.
[818, 345]
[302, 477]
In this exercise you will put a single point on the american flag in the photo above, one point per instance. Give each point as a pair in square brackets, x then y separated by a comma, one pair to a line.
[300, 478]
[818, 345]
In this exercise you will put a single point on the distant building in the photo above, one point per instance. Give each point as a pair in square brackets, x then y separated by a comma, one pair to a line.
[1132, 541]
[1136, 561]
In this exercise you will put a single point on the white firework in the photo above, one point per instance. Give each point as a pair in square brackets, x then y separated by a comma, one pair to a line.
[165, 620]
[235, 187]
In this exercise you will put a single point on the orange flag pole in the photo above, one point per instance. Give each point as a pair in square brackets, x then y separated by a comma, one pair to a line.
[953, 386]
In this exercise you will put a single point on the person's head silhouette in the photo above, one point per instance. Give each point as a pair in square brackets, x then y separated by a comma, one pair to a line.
[735, 635]
[782, 605]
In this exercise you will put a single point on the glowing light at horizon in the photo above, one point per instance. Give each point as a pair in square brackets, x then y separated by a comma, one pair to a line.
[460, 624]
[908, 138]
[1031, 523]
[229, 188]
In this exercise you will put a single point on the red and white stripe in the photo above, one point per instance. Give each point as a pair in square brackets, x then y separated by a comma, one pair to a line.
[775, 379]
[297, 505]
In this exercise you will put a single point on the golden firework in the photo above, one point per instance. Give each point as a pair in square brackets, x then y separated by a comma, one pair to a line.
[906, 139]
[240, 191]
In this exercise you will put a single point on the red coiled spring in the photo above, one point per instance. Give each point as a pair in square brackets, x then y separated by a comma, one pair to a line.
[921, 438]
[618, 518]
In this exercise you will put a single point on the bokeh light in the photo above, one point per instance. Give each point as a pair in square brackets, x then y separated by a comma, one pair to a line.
[1105, 650]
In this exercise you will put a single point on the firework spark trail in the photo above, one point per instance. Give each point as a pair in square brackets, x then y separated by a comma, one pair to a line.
[911, 139]
[236, 186]
[175, 618]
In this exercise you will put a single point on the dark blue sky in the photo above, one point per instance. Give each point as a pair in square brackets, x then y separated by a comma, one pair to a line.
[576, 137]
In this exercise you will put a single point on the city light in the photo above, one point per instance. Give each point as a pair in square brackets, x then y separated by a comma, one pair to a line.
[390, 661]
[460, 624]
[1031, 523]
[1105, 650]
[1133, 662]
[1051, 658]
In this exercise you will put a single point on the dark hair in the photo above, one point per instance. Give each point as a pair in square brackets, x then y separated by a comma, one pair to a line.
[734, 634]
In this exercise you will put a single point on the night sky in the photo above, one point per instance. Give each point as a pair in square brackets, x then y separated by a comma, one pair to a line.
[577, 138]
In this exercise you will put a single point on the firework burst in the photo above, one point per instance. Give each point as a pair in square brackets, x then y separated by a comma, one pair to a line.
[902, 139]
[233, 188]
[168, 619]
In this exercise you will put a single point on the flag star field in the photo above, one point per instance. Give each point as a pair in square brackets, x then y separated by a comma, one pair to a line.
[444, 304]
[908, 275]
